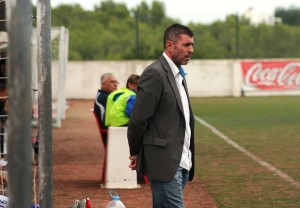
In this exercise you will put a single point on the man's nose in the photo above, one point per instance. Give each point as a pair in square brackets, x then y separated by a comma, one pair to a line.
[191, 49]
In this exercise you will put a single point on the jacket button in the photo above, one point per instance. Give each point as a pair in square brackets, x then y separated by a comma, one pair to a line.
[182, 142]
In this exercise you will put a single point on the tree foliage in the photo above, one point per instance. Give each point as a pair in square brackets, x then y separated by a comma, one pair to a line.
[109, 32]
[290, 16]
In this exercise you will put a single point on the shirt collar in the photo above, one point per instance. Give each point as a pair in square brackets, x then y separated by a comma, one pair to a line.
[173, 67]
[182, 72]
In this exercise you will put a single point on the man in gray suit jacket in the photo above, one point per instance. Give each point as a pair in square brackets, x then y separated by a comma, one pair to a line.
[161, 127]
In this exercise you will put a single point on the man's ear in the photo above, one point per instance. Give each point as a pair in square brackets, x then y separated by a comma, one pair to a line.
[169, 44]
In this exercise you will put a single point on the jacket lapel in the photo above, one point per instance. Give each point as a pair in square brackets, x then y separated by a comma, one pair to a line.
[172, 81]
[185, 87]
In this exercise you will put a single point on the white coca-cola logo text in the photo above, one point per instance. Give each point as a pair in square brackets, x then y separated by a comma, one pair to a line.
[287, 76]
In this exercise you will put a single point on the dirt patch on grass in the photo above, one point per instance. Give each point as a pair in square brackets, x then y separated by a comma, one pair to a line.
[77, 166]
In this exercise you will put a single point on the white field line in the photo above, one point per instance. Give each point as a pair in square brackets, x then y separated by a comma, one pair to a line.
[263, 163]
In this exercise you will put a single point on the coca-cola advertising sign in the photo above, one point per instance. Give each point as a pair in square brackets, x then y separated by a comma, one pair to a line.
[271, 75]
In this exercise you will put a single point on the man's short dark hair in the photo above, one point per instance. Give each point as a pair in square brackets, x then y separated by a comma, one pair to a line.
[174, 31]
[133, 79]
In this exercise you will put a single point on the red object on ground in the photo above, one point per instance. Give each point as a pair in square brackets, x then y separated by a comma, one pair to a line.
[88, 203]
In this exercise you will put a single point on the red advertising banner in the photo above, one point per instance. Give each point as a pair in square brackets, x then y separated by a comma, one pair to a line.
[271, 75]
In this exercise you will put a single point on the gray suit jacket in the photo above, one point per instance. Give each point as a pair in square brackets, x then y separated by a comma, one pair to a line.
[157, 126]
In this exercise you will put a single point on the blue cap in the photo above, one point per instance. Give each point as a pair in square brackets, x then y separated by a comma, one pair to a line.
[114, 195]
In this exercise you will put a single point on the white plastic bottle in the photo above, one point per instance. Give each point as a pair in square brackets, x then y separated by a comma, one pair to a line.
[115, 202]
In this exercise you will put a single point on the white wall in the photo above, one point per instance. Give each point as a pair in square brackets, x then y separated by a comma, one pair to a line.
[206, 78]
[83, 78]
[210, 78]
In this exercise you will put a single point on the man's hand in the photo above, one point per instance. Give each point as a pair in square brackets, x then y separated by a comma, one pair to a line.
[133, 162]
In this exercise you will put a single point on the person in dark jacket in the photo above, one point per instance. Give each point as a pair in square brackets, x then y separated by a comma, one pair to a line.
[109, 83]
[161, 127]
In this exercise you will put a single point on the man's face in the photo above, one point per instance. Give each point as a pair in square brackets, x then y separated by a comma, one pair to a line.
[181, 50]
[110, 84]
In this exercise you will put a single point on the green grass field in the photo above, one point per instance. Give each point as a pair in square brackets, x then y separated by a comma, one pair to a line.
[268, 127]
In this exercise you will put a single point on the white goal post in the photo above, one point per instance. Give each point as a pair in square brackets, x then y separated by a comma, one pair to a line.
[60, 47]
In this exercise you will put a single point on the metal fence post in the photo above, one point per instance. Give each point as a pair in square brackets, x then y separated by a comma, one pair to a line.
[20, 105]
[44, 103]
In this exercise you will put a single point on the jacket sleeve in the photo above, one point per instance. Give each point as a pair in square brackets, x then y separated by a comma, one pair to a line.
[149, 90]
[129, 105]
